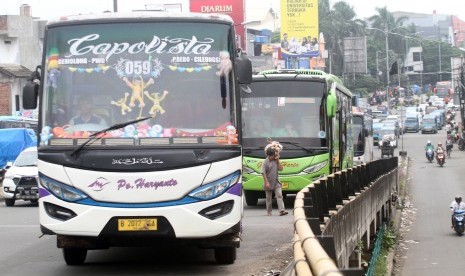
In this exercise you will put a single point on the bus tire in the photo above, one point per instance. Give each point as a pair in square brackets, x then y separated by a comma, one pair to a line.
[251, 198]
[225, 255]
[9, 202]
[74, 256]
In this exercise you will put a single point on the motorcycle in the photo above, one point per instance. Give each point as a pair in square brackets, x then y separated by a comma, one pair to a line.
[440, 158]
[430, 155]
[458, 222]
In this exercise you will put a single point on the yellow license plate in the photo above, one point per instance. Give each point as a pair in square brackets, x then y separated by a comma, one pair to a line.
[285, 185]
[137, 224]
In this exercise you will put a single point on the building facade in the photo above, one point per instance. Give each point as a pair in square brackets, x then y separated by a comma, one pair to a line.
[21, 42]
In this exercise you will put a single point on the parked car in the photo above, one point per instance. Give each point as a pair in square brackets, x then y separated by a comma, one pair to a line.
[21, 179]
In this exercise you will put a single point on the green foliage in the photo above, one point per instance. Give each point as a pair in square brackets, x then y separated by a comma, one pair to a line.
[389, 238]
[276, 37]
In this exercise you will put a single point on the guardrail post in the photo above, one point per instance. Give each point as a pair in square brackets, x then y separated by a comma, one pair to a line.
[356, 179]
[315, 205]
[337, 188]
[324, 195]
[318, 198]
[350, 182]
[308, 199]
[314, 224]
[345, 192]
[331, 192]
[364, 173]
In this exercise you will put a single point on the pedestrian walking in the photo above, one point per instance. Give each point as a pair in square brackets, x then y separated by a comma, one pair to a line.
[271, 183]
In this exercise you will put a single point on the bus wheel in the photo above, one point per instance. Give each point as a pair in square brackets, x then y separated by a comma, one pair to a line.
[251, 198]
[9, 202]
[225, 255]
[74, 256]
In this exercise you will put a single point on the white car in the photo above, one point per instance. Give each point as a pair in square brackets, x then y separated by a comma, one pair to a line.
[21, 179]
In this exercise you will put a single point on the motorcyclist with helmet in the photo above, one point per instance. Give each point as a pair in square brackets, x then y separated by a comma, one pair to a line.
[456, 205]
[427, 147]
[439, 150]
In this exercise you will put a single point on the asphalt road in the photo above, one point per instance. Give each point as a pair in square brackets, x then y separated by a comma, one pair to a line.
[429, 246]
[266, 246]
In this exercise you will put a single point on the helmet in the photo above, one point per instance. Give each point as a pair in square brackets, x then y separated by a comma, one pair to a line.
[429, 142]
[458, 198]
[440, 144]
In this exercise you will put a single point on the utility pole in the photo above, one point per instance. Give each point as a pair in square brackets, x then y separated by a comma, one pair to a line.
[386, 33]
[115, 5]
[462, 91]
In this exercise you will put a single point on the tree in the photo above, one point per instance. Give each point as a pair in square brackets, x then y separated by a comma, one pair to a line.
[335, 24]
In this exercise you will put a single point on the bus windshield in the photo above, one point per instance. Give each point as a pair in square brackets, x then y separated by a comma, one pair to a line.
[99, 75]
[283, 109]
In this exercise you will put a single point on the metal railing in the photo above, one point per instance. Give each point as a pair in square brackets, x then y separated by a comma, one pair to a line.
[331, 215]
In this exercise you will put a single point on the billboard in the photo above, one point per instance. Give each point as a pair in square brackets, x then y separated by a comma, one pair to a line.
[233, 8]
[355, 55]
[299, 26]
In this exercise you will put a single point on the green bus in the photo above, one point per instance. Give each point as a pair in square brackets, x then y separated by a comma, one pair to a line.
[309, 113]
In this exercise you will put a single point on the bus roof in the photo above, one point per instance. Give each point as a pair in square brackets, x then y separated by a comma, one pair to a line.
[302, 74]
[139, 15]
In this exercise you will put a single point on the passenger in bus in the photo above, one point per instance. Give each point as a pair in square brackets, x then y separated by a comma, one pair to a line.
[85, 115]
[286, 131]
[259, 130]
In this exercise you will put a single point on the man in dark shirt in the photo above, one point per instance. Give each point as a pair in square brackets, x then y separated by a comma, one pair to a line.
[270, 168]
[85, 114]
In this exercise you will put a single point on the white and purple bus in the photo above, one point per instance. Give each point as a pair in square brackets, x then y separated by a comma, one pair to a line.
[138, 115]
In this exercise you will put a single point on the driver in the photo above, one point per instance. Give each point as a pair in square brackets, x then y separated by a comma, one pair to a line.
[86, 115]
[456, 205]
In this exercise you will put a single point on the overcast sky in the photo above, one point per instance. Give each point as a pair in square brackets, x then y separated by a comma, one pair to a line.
[46, 9]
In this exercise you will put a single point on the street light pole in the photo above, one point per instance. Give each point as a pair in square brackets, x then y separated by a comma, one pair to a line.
[386, 33]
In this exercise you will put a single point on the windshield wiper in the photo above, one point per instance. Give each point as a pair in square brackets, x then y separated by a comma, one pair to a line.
[96, 136]
[298, 145]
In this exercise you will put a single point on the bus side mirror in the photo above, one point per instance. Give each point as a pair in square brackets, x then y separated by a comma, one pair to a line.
[30, 94]
[31, 90]
[243, 69]
[331, 102]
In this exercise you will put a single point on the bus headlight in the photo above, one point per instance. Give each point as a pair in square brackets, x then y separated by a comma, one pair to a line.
[216, 188]
[61, 190]
[315, 168]
[247, 170]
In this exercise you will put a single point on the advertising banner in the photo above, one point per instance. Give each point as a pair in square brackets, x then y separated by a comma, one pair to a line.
[233, 8]
[299, 28]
